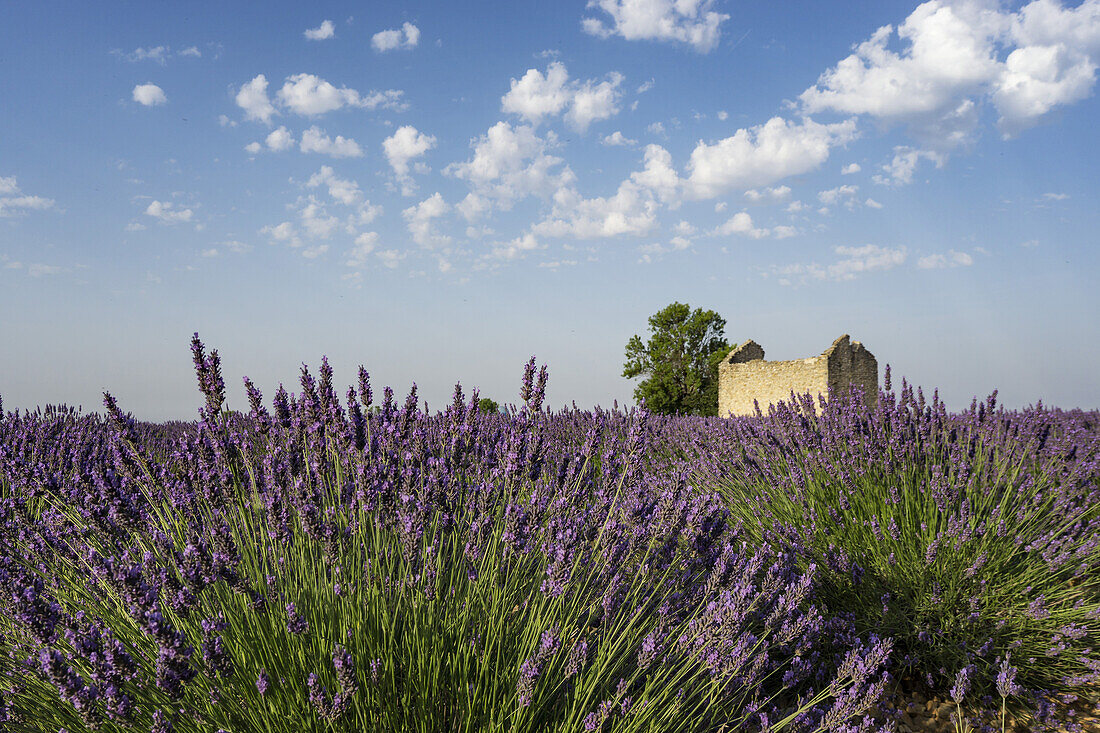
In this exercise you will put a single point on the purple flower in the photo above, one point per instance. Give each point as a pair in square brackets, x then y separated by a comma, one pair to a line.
[263, 682]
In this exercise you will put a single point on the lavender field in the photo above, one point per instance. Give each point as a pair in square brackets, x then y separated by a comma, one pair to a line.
[345, 563]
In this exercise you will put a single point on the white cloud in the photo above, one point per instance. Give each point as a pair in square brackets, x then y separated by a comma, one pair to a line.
[684, 21]
[13, 202]
[253, 148]
[149, 95]
[135, 226]
[314, 140]
[280, 139]
[390, 258]
[840, 195]
[158, 54]
[252, 98]
[723, 115]
[1036, 79]
[212, 252]
[768, 195]
[952, 259]
[316, 221]
[631, 211]
[951, 57]
[404, 145]
[322, 32]
[741, 223]
[192, 51]
[594, 102]
[855, 261]
[1046, 196]
[510, 163]
[535, 96]
[472, 208]
[850, 169]
[658, 175]
[419, 219]
[167, 213]
[795, 206]
[340, 189]
[899, 171]
[762, 155]
[617, 138]
[364, 244]
[517, 247]
[309, 95]
[872, 204]
[388, 40]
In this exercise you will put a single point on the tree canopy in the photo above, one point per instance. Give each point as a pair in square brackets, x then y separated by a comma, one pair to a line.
[679, 363]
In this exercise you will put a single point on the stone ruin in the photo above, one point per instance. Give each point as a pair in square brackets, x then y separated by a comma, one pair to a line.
[744, 376]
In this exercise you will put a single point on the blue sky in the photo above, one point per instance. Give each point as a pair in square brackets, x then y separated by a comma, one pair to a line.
[440, 190]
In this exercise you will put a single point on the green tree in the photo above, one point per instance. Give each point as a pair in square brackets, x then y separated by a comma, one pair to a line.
[680, 362]
[487, 405]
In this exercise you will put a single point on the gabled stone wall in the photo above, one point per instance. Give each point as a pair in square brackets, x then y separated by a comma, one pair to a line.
[744, 376]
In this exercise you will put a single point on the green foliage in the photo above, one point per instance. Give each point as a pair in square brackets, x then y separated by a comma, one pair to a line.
[487, 405]
[680, 361]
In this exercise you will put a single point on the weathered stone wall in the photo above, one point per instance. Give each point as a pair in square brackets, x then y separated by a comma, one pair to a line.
[744, 376]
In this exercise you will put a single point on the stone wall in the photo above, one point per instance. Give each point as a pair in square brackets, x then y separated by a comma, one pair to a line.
[744, 376]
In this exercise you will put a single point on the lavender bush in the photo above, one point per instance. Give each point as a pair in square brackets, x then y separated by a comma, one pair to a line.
[972, 540]
[337, 565]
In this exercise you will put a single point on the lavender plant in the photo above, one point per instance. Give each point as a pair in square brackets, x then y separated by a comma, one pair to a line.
[325, 566]
[966, 538]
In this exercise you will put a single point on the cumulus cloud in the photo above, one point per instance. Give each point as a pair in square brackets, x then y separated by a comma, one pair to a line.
[403, 146]
[854, 262]
[742, 223]
[314, 140]
[310, 95]
[14, 202]
[280, 139]
[632, 210]
[360, 251]
[322, 32]
[768, 195]
[149, 95]
[850, 169]
[617, 138]
[252, 98]
[899, 171]
[536, 96]
[390, 40]
[168, 213]
[517, 247]
[658, 175]
[340, 189]
[509, 163]
[253, 148]
[951, 58]
[683, 21]
[845, 195]
[192, 51]
[762, 155]
[419, 219]
[951, 259]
